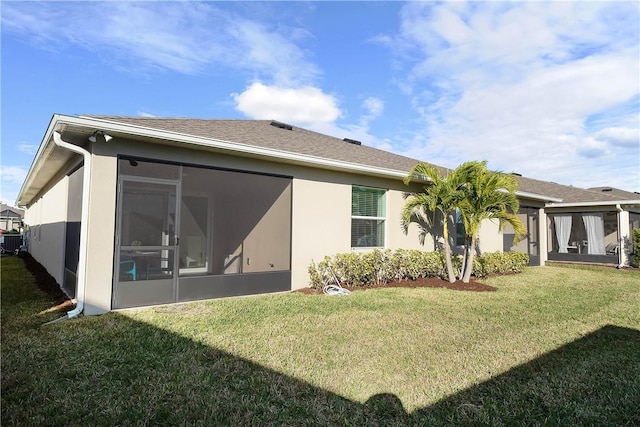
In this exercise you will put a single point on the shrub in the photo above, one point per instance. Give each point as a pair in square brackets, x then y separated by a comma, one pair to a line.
[635, 237]
[499, 263]
[380, 267]
[375, 267]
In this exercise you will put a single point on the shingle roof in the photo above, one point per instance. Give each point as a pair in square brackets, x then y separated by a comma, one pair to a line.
[298, 140]
[570, 194]
[261, 134]
[616, 192]
[10, 211]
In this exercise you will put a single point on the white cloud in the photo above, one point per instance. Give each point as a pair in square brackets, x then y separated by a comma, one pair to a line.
[11, 178]
[186, 37]
[305, 105]
[592, 148]
[518, 83]
[27, 148]
[373, 106]
[13, 174]
[620, 136]
[262, 50]
[145, 114]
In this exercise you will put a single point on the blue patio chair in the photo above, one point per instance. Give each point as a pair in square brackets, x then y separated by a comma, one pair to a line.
[132, 269]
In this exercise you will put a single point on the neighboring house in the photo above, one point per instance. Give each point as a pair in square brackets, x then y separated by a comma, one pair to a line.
[586, 225]
[128, 211]
[10, 218]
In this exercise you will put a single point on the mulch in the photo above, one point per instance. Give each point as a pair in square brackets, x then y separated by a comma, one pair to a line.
[427, 282]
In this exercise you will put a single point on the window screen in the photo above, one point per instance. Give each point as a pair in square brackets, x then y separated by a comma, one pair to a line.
[368, 213]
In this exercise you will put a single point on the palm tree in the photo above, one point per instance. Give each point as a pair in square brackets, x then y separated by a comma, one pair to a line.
[488, 195]
[442, 194]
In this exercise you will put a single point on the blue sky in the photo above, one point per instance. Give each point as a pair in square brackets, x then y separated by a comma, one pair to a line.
[550, 90]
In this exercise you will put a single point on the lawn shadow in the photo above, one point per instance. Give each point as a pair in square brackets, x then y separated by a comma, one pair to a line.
[594, 380]
[137, 373]
[126, 372]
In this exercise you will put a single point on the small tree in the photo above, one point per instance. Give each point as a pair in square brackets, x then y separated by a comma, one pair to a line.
[487, 195]
[442, 194]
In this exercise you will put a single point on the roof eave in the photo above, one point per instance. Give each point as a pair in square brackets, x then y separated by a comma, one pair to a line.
[46, 145]
[535, 196]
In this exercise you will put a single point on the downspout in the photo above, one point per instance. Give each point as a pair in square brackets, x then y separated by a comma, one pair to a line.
[82, 261]
[620, 238]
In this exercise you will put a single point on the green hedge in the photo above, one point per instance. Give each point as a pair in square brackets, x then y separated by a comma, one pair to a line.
[499, 263]
[635, 236]
[380, 267]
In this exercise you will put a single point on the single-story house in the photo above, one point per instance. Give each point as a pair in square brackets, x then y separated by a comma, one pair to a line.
[10, 218]
[132, 211]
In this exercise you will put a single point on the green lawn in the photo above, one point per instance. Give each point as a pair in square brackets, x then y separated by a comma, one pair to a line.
[554, 346]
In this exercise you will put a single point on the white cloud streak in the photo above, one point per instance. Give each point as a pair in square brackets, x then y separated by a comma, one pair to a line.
[185, 37]
[29, 149]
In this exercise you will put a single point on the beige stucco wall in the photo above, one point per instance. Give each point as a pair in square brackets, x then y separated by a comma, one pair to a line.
[100, 232]
[396, 238]
[321, 225]
[47, 221]
[490, 237]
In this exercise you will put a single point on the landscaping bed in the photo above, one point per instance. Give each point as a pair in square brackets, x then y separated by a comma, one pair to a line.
[423, 282]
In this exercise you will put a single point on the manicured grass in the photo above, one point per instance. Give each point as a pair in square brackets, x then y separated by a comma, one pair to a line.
[554, 346]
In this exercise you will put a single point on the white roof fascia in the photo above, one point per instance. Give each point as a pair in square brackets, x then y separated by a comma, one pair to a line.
[537, 196]
[45, 145]
[586, 204]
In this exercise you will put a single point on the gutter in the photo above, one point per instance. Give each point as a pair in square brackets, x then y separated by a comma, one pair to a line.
[82, 261]
[600, 203]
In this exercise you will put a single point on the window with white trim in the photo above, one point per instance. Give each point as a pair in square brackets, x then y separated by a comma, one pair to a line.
[368, 215]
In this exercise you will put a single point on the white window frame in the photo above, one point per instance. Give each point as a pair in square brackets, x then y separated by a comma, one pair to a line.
[371, 218]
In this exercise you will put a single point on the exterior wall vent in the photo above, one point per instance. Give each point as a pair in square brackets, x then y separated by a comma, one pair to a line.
[281, 125]
[352, 141]
[604, 190]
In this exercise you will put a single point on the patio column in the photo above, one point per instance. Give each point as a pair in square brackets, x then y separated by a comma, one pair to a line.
[542, 236]
[624, 236]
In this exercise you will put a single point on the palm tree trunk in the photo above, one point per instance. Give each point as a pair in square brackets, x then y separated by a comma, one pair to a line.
[447, 253]
[465, 255]
[469, 262]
